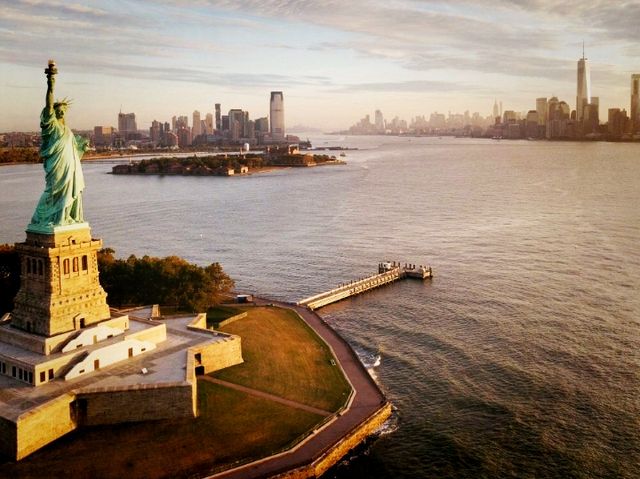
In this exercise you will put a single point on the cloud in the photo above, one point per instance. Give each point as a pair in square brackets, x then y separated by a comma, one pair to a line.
[488, 47]
[413, 86]
[508, 37]
[511, 37]
[74, 8]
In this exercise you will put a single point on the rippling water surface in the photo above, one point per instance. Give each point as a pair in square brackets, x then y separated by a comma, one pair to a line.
[520, 359]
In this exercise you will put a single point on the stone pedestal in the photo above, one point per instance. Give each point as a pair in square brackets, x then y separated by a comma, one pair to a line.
[59, 290]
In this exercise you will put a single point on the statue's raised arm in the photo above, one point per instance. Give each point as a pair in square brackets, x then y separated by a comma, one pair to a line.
[50, 71]
[61, 201]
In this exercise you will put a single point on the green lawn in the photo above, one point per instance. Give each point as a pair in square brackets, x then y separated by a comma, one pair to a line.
[283, 356]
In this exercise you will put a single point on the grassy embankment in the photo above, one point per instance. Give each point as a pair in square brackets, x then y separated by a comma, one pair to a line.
[283, 356]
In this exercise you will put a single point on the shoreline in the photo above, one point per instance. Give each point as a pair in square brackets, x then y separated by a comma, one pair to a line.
[366, 410]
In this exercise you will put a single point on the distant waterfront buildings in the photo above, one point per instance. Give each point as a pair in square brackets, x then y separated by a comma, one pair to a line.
[234, 129]
[552, 118]
[635, 103]
[276, 115]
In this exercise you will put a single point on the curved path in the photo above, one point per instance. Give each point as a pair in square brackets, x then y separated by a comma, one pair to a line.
[367, 400]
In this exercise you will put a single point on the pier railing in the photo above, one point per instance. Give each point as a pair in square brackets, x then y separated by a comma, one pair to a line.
[387, 274]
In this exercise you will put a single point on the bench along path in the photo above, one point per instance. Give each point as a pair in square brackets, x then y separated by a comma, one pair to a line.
[367, 401]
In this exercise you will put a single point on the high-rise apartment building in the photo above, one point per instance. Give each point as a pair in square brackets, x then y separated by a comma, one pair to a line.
[510, 116]
[583, 95]
[196, 130]
[617, 123]
[532, 124]
[208, 124]
[103, 135]
[635, 103]
[184, 136]
[276, 115]
[379, 121]
[218, 117]
[591, 115]
[237, 123]
[127, 123]
[155, 132]
[182, 122]
[541, 108]
[262, 125]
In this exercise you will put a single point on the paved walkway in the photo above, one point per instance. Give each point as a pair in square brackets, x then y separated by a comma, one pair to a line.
[264, 395]
[367, 400]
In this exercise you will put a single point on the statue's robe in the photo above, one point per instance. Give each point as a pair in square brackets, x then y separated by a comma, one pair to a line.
[61, 151]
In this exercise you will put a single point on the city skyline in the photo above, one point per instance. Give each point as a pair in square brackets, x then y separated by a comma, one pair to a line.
[334, 60]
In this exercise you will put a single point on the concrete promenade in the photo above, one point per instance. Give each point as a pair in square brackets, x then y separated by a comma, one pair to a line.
[367, 400]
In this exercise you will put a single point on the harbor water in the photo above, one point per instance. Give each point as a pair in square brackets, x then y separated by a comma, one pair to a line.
[521, 358]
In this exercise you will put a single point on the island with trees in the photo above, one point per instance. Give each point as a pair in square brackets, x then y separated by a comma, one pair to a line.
[225, 164]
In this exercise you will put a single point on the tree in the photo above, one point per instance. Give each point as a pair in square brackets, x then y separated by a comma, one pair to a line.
[9, 277]
[170, 281]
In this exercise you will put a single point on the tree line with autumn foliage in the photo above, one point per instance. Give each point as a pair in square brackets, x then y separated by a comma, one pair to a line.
[20, 155]
[170, 281]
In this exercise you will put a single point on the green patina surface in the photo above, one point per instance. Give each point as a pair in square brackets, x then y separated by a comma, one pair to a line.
[61, 151]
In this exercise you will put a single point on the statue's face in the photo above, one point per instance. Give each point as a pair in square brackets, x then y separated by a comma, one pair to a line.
[60, 111]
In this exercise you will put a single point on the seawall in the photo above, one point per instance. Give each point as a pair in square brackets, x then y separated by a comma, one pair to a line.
[367, 410]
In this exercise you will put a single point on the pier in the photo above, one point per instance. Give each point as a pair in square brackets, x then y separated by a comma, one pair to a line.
[388, 272]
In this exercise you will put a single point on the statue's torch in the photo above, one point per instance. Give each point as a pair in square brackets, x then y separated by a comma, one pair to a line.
[51, 69]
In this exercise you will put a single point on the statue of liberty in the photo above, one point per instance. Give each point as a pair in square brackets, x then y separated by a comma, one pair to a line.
[61, 151]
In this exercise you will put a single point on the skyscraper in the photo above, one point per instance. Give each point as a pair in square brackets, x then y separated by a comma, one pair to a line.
[583, 95]
[496, 110]
[541, 108]
[218, 117]
[155, 131]
[197, 125]
[236, 123]
[276, 115]
[208, 124]
[127, 123]
[635, 103]
[379, 121]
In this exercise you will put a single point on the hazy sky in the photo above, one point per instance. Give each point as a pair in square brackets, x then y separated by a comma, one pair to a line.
[335, 61]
